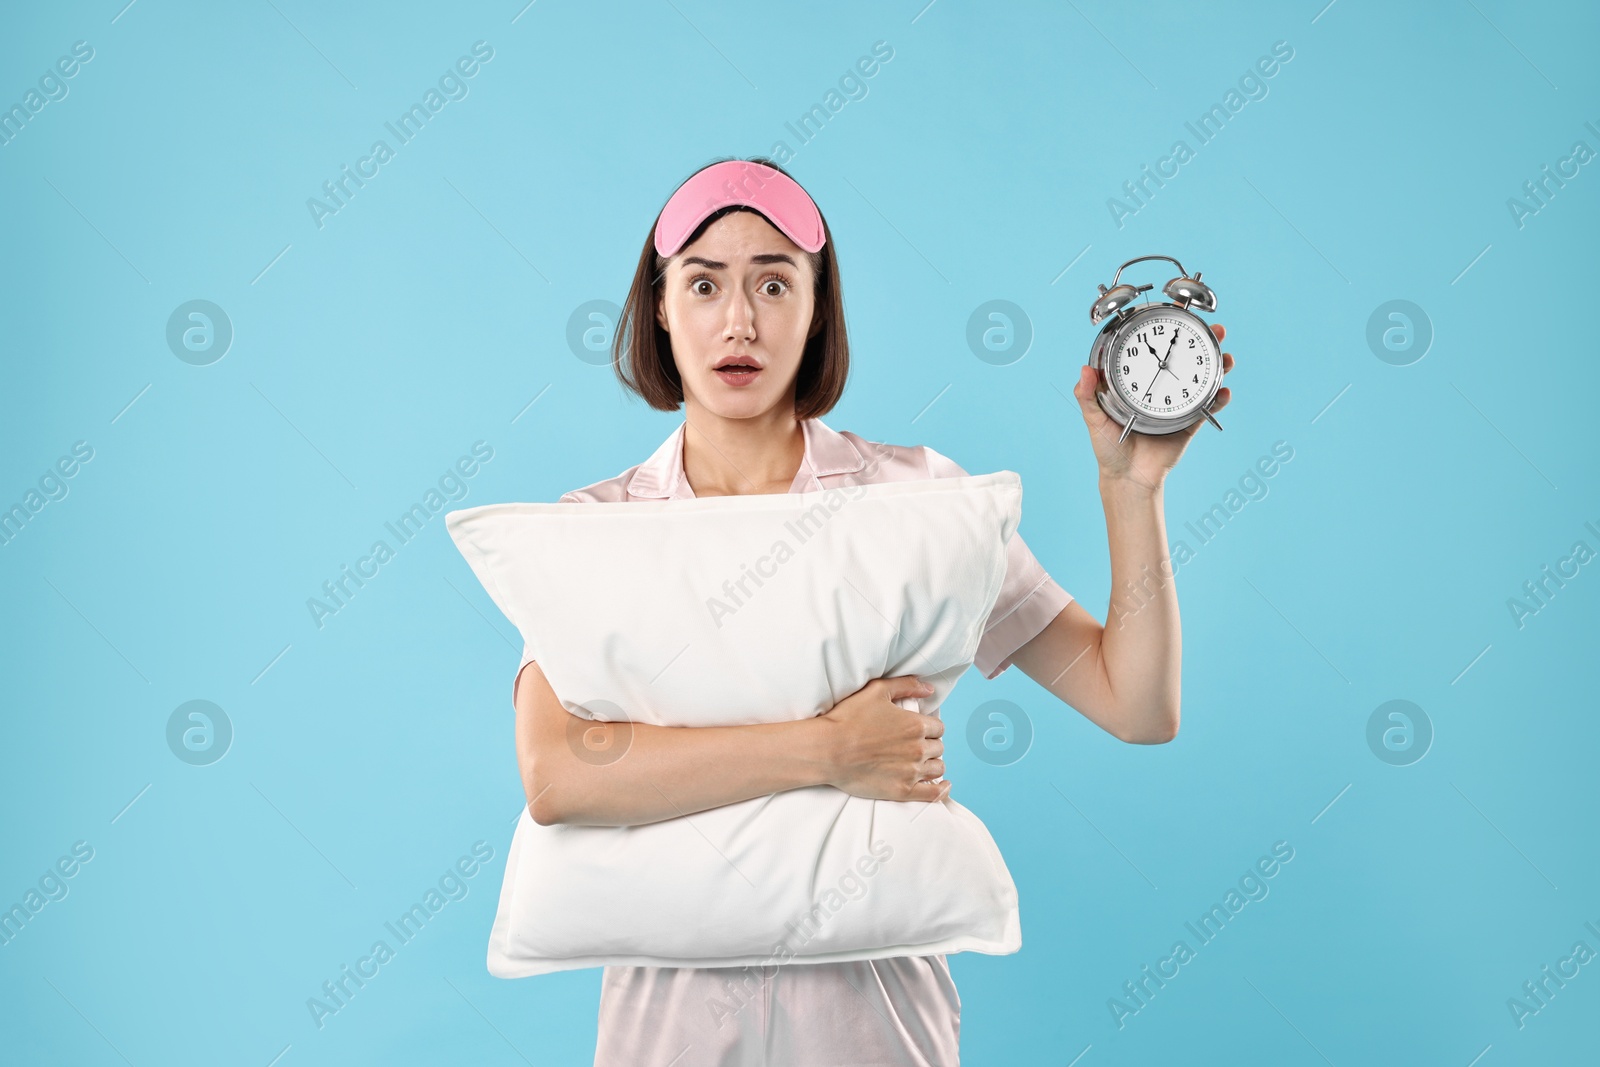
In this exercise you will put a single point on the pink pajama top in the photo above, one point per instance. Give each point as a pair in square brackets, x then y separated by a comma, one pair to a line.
[896, 1011]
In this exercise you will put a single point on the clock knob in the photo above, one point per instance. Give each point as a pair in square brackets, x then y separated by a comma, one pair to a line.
[1191, 292]
[1114, 299]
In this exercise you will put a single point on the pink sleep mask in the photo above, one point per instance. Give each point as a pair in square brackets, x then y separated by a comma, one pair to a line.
[736, 181]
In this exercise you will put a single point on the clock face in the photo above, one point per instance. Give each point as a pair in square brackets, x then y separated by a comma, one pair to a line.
[1163, 364]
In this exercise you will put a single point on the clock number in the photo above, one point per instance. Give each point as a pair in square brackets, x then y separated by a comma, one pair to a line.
[1186, 394]
[1169, 400]
[1143, 339]
[1197, 379]
[1191, 342]
[1125, 368]
[1159, 330]
[1134, 386]
[1199, 358]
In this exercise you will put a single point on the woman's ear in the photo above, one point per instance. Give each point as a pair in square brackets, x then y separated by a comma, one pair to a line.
[661, 310]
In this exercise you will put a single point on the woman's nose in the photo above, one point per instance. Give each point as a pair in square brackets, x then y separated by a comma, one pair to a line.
[741, 316]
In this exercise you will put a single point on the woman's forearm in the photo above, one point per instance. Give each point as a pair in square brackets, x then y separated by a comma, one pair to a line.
[665, 771]
[1142, 647]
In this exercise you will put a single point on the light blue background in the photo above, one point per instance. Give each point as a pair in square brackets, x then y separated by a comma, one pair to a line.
[427, 314]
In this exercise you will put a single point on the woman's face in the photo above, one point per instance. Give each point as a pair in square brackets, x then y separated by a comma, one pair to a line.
[743, 294]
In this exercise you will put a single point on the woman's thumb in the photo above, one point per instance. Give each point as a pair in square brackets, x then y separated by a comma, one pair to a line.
[908, 685]
[1088, 378]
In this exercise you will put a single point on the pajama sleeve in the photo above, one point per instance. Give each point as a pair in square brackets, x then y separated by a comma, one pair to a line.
[1029, 597]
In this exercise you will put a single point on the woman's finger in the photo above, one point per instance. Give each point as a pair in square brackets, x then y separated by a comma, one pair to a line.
[908, 685]
[1219, 330]
[1083, 390]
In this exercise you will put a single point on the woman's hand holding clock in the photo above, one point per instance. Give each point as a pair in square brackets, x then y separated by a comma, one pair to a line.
[1141, 460]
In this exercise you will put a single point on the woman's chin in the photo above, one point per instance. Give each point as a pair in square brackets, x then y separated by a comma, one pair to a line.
[736, 403]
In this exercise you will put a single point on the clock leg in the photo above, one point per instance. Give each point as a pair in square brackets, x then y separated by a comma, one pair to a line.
[1212, 419]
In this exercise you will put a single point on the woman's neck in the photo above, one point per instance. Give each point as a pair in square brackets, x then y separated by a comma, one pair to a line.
[732, 457]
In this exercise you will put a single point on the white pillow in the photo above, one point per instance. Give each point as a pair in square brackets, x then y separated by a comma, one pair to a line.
[750, 609]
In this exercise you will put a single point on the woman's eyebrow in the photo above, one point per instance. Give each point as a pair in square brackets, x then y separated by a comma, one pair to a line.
[766, 257]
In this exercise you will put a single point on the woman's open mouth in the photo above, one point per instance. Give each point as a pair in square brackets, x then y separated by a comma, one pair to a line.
[738, 373]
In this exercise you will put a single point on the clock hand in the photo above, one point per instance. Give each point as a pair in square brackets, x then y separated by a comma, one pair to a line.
[1170, 347]
[1162, 366]
[1152, 351]
[1161, 361]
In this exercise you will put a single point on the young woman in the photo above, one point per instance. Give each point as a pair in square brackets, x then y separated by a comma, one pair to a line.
[735, 314]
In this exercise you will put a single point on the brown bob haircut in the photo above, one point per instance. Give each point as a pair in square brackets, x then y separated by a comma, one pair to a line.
[642, 350]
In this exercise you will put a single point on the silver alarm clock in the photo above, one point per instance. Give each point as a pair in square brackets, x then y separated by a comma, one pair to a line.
[1159, 364]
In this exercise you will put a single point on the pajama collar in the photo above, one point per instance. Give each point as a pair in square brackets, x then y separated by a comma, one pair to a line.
[826, 452]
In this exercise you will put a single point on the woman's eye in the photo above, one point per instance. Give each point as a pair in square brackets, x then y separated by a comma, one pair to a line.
[766, 285]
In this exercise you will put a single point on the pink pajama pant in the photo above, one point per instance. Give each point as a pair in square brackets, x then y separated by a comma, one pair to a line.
[899, 1012]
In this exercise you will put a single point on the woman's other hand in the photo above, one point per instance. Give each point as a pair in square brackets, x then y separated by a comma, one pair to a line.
[1143, 459]
[880, 750]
